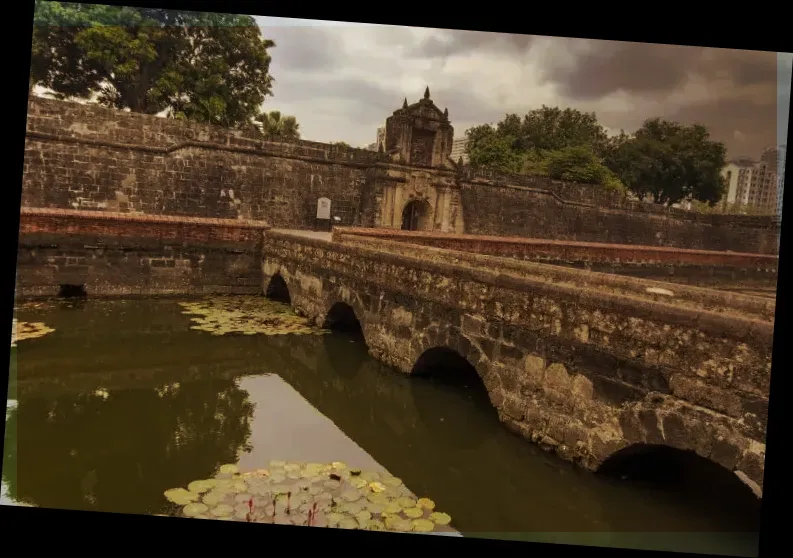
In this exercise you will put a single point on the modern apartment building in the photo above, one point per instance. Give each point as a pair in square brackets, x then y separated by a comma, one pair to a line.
[753, 183]
[738, 174]
[458, 150]
[764, 185]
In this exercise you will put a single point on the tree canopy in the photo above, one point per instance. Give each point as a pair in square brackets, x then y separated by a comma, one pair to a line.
[207, 67]
[670, 162]
[666, 160]
[562, 143]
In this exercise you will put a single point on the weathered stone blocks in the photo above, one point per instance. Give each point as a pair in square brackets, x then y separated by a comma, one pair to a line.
[584, 373]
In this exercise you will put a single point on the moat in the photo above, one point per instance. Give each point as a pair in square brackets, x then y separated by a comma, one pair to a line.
[123, 401]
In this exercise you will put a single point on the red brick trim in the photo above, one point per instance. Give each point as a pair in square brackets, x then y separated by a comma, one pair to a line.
[142, 218]
[563, 249]
[126, 225]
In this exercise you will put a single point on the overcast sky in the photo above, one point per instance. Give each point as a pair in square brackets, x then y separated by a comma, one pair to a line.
[341, 80]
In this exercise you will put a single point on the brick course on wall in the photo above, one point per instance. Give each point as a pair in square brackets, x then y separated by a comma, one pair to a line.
[88, 157]
[80, 156]
[120, 254]
[555, 210]
[698, 267]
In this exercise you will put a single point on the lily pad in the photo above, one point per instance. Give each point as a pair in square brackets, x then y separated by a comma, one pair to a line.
[212, 498]
[395, 523]
[351, 495]
[377, 487]
[348, 523]
[377, 497]
[423, 525]
[180, 496]
[375, 508]
[440, 518]
[334, 517]
[222, 510]
[229, 469]
[201, 486]
[357, 482]
[375, 525]
[191, 510]
[363, 516]
[426, 503]
[406, 502]
[413, 513]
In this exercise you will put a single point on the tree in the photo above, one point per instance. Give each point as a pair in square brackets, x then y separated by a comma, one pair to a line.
[277, 127]
[207, 67]
[487, 147]
[552, 129]
[580, 164]
[565, 144]
[671, 162]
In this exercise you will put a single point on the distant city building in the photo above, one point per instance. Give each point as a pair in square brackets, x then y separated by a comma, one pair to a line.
[780, 178]
[459, 150]
[380, 139]
[738, 174]
[763, 190]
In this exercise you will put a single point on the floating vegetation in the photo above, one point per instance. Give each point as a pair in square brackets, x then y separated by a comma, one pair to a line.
[310, 494]
[34, 305]
[27, 330]
[246, 315]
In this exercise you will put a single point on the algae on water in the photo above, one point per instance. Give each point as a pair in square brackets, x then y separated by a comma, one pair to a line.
[27, 330]
[312, 494]
[246, 315]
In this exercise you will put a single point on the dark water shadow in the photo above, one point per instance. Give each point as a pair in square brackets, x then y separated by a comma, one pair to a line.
[675, 478]
[277, 290]
[465, 417]
[345, 349]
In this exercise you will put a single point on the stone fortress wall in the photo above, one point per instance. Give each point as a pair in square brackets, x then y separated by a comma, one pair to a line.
[86, 157]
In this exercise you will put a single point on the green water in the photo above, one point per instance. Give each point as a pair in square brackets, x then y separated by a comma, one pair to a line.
[124, 401]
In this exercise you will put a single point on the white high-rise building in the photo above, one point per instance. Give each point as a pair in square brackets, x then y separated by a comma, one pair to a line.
[458, 149]
[380, 138]
[780, 178]
[738, 174]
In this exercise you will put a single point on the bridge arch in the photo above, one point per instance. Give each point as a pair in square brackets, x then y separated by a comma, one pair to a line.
[446, 348]
[277, 289]
[672, 439]
[342, 317]
[683, 474]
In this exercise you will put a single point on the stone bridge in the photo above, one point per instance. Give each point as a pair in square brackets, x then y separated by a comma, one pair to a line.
[590, 365]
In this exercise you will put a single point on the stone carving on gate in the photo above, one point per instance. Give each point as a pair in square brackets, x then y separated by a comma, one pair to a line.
[420, 134]
[419, 152]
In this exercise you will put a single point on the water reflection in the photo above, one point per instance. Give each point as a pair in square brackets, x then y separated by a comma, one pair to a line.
[181, 403]
[119, 450]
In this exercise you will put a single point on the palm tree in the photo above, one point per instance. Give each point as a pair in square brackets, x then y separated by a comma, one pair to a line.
[277, 127]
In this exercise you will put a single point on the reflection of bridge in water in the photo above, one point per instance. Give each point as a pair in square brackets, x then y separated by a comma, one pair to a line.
[593, 366]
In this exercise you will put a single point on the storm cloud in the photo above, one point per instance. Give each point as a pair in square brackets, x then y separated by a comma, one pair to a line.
[342, 80]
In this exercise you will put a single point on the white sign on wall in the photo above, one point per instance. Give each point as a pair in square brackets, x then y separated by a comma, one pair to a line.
[323, 208]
